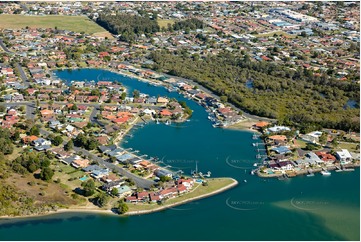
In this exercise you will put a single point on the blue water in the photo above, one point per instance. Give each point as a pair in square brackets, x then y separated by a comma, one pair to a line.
[302, 208]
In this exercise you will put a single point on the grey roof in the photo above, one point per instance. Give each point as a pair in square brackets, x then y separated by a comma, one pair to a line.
[91, 168]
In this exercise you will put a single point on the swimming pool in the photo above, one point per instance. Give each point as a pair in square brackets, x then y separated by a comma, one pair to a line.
[84, 178]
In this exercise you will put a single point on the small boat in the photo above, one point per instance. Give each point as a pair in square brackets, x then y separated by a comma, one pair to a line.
[252, 172]
[245, 181]
[255, 164]
[325, 173]
[309, 175]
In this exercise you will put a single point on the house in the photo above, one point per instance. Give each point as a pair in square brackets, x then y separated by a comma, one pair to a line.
[110, 178]
[168, 192]
[142, 196]
[124, 190]
[91, 168]
[326, 157]
[113, 184]
[97, 174]
[188, 183]
[261, 125]
[29, 139]
[162, 172]
[131, 199]
[41, 142]
[77, 163]
[312, 137]
[182, 189]
[154, 197]
[162, 100]
[344, 156]
[104, 148]
[312, 159]
[165, 112]
[277, 139]
[276, 129]
[281, 150]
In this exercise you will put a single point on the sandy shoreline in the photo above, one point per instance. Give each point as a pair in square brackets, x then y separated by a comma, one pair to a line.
[109, 212]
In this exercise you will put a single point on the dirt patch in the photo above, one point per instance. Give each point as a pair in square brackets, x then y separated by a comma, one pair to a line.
[104, 34]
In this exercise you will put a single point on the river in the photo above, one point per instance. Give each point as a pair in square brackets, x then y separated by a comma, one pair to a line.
[301, 208]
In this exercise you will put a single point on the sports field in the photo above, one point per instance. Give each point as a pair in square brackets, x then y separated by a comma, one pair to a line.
[71, 23]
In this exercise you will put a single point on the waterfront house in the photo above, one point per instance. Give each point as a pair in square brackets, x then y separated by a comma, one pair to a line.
[142, 196]
[166, 112]
[312, 158]
[104, 148]
[326, 157]
[162, 172]
[281, 150]
[124, 190]
[260, 125]
[154, 197]
[277, 139]
[344, 156]
[162, 100]
[168, 192]
[277, 129]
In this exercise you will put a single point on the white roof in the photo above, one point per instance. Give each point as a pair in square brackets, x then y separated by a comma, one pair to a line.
[344, 154]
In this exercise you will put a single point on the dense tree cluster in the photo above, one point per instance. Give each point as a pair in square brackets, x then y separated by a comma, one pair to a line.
[191, 24]
[87, 142]
[30, 162]
[293, 97]
[6, 145]
[128, 26]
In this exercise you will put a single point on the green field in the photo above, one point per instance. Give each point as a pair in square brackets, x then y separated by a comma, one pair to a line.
[275, 32]
[350, 146]
[165, 22]
[71, 23]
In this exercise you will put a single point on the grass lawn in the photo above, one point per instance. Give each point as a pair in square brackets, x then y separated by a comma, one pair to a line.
[350, 146]
[198, 190]
[71, 23]
[165, 22]
[276, 32]
[300, 144]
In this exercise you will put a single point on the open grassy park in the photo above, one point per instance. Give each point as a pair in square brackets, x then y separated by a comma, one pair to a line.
[71, 23]
[165, 22]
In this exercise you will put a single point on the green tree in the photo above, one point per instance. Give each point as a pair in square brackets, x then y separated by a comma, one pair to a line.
[136, 94]
[114, 192]
[88, 187]
[34, 130]
[122, 207]
[102, 199]
[46, 174]
[323, 138]
[57, 140]
[69, 146]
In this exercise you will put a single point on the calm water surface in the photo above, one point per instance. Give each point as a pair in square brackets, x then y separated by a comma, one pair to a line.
[302, 208]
